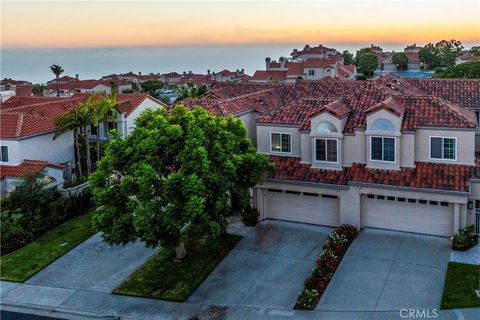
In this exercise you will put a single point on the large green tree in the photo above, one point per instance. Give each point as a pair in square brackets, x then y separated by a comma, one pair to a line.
[151, 87]
[441, 54]
[464, 70]
[189, 90]
[176, 170]
[367, 62]
[360, 52]
[401, 60]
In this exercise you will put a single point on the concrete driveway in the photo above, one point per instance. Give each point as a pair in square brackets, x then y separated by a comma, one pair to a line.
[93, 265]
[267, 268]
[389, 271]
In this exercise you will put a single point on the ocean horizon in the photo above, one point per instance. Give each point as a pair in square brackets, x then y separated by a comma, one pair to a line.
[93, 63]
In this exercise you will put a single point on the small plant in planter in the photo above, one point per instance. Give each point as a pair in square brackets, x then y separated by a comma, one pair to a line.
[327, 263]
[307, 299]
[337, 243]
[464, 239]
[250, 217]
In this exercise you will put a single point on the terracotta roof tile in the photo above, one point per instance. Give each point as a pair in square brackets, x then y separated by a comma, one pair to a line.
[27, 166]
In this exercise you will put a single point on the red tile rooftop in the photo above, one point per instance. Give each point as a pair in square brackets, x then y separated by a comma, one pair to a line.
[26, 167]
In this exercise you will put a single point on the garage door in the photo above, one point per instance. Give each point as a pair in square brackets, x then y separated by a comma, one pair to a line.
[302, 207]
[412, 215]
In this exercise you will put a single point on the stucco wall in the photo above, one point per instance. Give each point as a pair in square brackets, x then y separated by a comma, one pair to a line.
[263, 139]
[465, 145]
[354, 148]
[129, 123]
[249, 121]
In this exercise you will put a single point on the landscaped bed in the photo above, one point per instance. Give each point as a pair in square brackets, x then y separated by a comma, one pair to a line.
[460, 284]
[28, 260]
[163, 278]
[334, 249]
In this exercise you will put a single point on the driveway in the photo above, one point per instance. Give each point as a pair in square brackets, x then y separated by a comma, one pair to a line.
[389, 271]
[266, 269]
[93, 265]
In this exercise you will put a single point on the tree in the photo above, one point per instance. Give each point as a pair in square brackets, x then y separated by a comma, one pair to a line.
[152, 87]
[101, 107]
[347, 57]
[368, 62]
[441, 54]
[176, 170]
[189, 90]
[38, 89]
[464, 70]
[360, 52]
[57, 71]
[449, 51]
[401, 60]
[164, 99]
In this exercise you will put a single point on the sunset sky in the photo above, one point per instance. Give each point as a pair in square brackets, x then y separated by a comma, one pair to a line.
[41, 24]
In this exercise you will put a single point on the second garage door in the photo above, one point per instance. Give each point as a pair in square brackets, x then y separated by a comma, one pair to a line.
[302, 207]
[428, 217]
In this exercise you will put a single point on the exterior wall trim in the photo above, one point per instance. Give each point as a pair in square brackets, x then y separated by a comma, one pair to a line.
[305, 183]
[386, 186]
[276, 125]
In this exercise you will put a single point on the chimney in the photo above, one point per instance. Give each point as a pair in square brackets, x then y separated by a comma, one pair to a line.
[189, 72]
[320, 45]
[307, 46]
[151, 73]
[76, 76]
[139, 73]
[184, 72]
[242, 71]
[282, 61]
[208, 71]
[267, 62]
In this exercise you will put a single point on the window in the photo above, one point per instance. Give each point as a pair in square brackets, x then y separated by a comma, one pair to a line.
[310, 194]
[329, 196]
[383, 125]
[326, 150]
[281, 142]
[4, 154]
[382, 149]
[326, 127]
[275, 190]
[391, 198]
[311, 72]
[443, 148]
[292, 192]
[477, 113]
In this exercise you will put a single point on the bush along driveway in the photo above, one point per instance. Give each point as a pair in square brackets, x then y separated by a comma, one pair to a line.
[334, 249]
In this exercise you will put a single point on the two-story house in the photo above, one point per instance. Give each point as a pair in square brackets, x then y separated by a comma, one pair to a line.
[352, 152]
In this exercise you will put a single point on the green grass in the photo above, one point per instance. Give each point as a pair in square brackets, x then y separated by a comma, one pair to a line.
[25, 262]
[460, 284]
[162, 278]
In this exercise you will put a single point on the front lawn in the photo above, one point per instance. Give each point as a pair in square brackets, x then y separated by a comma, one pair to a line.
[161, 278]
[460, 284]
[25, 262]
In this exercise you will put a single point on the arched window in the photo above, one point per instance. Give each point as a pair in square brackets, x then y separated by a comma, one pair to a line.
[383, 125]
[326, 127]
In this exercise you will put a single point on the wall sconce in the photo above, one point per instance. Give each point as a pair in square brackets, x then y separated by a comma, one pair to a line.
[470, 205]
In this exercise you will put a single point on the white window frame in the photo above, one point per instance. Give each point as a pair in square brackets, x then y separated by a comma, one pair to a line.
[8, 155]
[315, 150]
[442, 158]
[394, 149]
[281, 152]
[311, 72]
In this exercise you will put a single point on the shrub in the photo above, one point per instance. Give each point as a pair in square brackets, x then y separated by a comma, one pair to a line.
[327, 263]
[464, 239]
[307, 299]
[336, 243]
[348, 230]
[250, 217]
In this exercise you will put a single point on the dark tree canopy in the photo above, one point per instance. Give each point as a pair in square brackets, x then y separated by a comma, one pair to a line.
[441, 54]
[464, 70]
[401, 60]
[368, 62]
[152, 87]
[347, 57]
[176, 169]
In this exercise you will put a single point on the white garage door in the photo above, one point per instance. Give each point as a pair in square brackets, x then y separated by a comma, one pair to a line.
[302, 207]
[435, 218]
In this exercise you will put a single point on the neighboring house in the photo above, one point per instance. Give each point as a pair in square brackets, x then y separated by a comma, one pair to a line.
[9, 83]
[10, 176]
[385, 62]
[171, 78]
[468, 57]
[27, 130]
[311, 63]
[360, 152]
[68, 89]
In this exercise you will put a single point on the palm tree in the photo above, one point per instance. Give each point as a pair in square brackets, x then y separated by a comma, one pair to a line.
[189, 90]
[103, 110]
[70, 122]
[110, 112]
[85, 119]
[57, 71]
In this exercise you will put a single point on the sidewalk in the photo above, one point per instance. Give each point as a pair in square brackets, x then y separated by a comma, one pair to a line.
[83, 304]
[471, 256]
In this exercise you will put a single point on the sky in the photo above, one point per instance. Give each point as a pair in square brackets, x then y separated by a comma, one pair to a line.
[72, 24]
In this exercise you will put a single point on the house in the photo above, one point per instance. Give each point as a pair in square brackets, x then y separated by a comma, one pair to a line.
[27, 132]
[171, 78]
[311, 63]
[467, 57]
[68, 89]
[385, 58]
[362, 153]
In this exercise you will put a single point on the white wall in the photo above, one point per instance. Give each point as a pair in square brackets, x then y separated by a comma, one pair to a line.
[128, 123]
[249, 121]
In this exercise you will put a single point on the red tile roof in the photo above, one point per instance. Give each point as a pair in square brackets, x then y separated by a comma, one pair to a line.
[388, 104]
[290, 168]
[27, 166]
[319, 62]
[23, 89]
[425, 175]
[465, 92]
[269, 75]
[295, 68]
